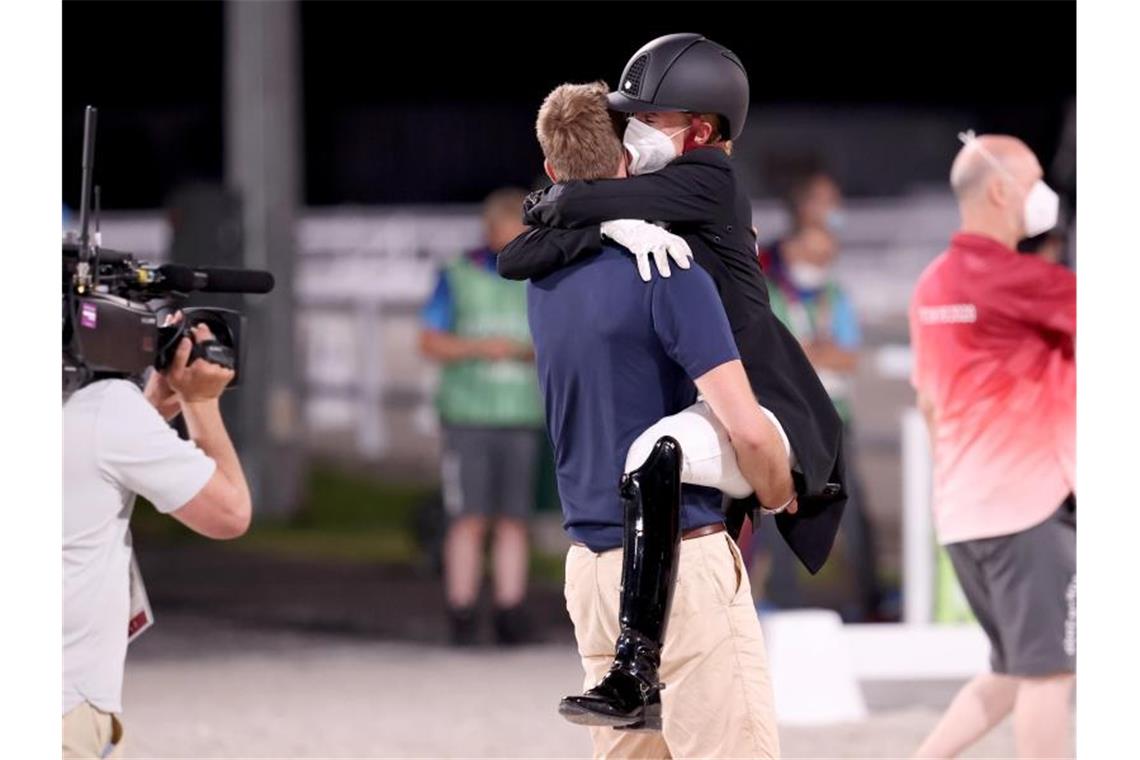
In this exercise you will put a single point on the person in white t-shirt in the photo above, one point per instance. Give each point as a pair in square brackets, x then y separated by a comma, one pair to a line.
[117, 444]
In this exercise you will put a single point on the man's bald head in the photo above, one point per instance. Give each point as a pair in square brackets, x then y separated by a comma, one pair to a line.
[984, 158]
[1000, 189]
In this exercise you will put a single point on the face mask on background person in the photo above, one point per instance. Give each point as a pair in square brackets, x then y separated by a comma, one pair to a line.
[806, 276]
[835, 220]
[649, 148]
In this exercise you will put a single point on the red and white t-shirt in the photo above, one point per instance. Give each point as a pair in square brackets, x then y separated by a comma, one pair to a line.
[993, 335]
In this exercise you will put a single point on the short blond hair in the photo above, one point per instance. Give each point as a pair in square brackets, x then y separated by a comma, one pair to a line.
[577, 132]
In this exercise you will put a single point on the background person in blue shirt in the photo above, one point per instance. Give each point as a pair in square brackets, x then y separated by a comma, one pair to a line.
[614, 355]
[475, 326]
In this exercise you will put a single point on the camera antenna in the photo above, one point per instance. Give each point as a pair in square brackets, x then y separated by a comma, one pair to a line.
[86, 248]
[88, 174]
[98, 217]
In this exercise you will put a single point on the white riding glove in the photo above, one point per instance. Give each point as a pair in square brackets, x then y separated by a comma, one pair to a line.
[643, 240]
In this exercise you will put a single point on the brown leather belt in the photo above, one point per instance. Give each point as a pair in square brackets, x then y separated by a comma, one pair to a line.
[704, 530]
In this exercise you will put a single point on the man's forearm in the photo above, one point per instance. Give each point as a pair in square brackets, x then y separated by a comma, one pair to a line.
[161, 397]
[763, 461]
[168, 407]
[446, 347]
[930, 417]
[542, 250]
[828, 355]
[206, 428]
[760, 451]
[677, 193]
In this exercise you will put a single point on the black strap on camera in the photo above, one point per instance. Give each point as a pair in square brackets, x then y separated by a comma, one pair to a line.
[212, 351]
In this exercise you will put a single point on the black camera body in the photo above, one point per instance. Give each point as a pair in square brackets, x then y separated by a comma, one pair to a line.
[112, 334]
[121, 329]
[117, 311]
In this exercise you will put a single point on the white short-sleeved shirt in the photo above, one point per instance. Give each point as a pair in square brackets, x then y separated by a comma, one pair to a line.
[115, 445]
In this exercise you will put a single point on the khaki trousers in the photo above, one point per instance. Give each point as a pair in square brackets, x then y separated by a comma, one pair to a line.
[88, 732]
[718, 697]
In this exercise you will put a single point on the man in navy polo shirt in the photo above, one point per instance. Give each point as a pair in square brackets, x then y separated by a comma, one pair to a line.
[614, 356]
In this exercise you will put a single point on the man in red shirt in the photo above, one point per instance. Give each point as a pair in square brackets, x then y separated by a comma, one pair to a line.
[993, 335]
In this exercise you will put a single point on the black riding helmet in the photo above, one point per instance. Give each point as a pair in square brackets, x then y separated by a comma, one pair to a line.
[685, 72]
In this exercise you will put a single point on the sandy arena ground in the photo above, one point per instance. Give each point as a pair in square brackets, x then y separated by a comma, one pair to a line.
[197, 687]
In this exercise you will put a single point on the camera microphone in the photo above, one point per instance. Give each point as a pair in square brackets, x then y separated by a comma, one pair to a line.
[214, 279]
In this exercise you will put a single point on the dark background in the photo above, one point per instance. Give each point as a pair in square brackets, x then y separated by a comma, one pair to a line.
[434, 102]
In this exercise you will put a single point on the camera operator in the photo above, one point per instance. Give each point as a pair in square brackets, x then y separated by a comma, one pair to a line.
[117, 444]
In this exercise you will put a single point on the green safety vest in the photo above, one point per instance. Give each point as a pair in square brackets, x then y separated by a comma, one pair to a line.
[478, 391]
[802, 322]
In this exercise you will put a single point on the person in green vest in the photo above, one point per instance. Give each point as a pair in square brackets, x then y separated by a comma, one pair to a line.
[806, 296]
[475, 325]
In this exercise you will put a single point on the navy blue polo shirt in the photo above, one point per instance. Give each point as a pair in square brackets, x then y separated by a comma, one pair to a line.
[614, 355]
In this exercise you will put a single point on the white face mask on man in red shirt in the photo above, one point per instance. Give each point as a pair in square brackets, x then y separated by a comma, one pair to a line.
[1041, 205]
[1040, 210]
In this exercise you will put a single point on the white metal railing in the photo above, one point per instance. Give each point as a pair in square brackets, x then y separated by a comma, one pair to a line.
[919, 558]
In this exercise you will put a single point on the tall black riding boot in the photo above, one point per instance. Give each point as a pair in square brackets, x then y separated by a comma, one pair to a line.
[629, 694]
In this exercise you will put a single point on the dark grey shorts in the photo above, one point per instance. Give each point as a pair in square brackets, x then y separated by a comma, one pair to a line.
[489, 471]
[1023, 591]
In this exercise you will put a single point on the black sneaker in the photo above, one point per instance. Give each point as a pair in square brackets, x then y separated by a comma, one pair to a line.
[464, 626]
[512, 627]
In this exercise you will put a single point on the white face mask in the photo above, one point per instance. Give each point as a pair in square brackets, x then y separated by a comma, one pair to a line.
[807, 276]
[835, 220]
[649, 148]
[1039, 211]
